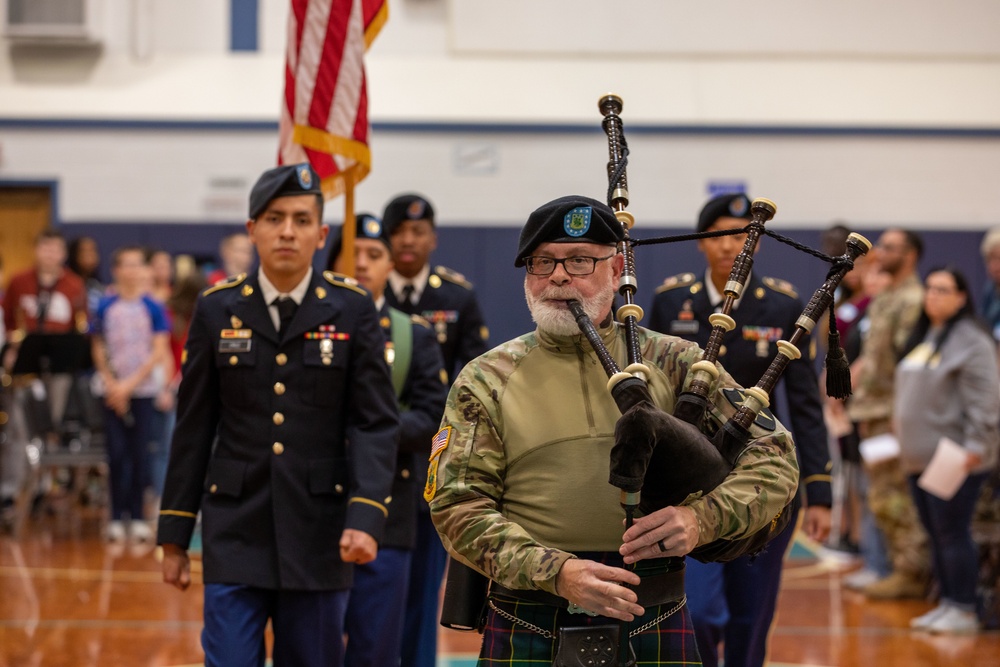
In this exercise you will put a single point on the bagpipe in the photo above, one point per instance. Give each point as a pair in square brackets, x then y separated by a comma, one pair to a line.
[659, 459]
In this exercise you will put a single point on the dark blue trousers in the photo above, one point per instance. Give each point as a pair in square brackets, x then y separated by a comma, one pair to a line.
[426, 572]
[735, 602]
[376, 609]
[308, 626]
[954, 554]
[127, 442]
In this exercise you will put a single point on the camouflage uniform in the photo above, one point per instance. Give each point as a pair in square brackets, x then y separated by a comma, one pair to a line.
[892, 315]
[518, 477]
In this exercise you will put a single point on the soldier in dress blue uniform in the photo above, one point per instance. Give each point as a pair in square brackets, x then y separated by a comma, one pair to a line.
[735, 601]
[378, 598]
[285, 441]
[446, 300]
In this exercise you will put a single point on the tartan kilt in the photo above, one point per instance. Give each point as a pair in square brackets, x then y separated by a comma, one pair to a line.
[506, 644]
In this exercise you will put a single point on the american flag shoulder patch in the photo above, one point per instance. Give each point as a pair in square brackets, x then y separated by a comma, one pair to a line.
[439, 442]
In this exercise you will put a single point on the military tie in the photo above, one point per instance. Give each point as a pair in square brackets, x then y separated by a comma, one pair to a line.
[407, 299]
[286, 311]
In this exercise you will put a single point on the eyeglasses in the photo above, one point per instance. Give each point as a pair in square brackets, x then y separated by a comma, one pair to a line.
[944, 291]
[574, 266]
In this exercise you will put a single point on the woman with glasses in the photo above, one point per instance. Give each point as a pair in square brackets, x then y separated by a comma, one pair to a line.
[947, 387]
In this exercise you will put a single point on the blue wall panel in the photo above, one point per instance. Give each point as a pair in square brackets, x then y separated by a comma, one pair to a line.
[485, 256]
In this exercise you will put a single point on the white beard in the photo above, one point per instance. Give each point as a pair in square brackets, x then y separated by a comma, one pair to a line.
[558, 320]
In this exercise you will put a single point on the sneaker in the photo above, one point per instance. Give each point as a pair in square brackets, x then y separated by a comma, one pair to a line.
[140, 531]
[955, 621]
[858, 580]
[116, 531]
[924, 621]
[896, 586]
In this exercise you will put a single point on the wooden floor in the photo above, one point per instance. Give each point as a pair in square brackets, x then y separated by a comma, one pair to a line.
[67, 599]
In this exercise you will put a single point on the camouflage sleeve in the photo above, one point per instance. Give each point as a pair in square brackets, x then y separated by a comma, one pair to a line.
[766, 475]
[465, 485]
[910, 307]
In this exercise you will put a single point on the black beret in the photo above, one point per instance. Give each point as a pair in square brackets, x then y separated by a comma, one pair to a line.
[367, 226]
[723, 206]
[284, 181]
[406, 207]
[571, 219]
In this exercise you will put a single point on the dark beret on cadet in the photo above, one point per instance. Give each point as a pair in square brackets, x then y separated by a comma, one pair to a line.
[367, 226]
[284, 181]
[723, 206]
[406, 207]
[571, 219]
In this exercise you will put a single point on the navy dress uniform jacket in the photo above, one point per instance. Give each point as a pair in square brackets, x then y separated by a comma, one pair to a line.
[766, 314]
[281, 443]
[422, 402]
[448, 302]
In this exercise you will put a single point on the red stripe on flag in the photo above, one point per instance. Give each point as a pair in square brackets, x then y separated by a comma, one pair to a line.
[329, 65]
[361, 121]
[299, 11]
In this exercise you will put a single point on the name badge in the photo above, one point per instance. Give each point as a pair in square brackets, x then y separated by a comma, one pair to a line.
[230, 346]
[684, 327]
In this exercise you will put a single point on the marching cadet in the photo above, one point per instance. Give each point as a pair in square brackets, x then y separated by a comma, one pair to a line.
[446, 300]
[378, 598]
[735, 601]
[285, 441]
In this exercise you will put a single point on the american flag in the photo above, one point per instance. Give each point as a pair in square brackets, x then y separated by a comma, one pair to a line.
[324, 118]
[440, 441]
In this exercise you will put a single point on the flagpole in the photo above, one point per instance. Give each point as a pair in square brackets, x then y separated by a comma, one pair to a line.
[349, 231]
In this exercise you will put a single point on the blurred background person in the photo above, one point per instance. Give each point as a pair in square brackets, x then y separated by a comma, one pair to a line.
[84, 259]
[236, 255]
[990, 249]
[47, 298]
[161, 270]
[947, 387]
[891, 316]
[130, 340]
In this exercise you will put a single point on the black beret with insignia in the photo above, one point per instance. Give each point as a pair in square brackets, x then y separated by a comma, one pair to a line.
[723, 206]
[285, 181]
[570, 219]
[367, 227]
[406, 207]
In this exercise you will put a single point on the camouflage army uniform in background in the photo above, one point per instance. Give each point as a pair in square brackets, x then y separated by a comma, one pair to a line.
[892, 315]
[518, 478]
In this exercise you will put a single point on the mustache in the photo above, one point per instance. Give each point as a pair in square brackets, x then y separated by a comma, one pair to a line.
[559, 294]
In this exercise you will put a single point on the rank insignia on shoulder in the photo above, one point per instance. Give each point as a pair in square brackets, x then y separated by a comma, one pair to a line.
[340, 280]
[227, 283]
[680, 280]
[451, 276]
[765, 419]
[782, 286]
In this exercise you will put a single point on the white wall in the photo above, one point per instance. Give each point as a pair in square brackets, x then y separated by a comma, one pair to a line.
[818, 66]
